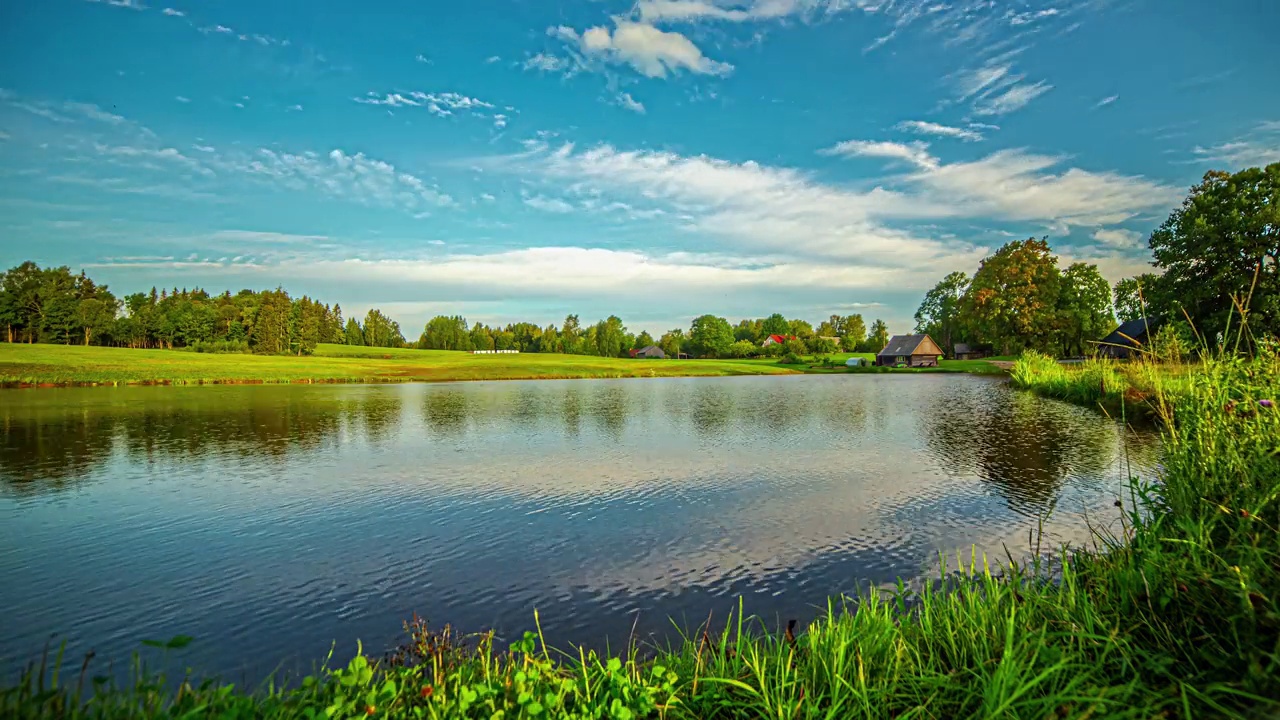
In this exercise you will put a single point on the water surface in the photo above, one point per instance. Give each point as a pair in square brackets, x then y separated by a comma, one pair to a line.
[269, 522]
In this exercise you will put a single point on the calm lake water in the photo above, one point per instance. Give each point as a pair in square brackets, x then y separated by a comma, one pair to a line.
[269, 522]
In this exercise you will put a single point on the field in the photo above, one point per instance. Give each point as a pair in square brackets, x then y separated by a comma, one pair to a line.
[52, 365]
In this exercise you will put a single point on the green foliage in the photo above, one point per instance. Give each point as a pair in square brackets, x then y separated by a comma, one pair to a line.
[445, 333]
[1013, 297]
[775, 324]
[353, 335]
[1131, 296]
[791, 358]
[939, 312]
[1084, 308]
[877, 339]
[1222, 247]
[710, 336]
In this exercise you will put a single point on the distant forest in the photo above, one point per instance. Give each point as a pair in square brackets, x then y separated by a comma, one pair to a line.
[55, 305]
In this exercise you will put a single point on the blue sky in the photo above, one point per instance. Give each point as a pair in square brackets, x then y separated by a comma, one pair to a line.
[522, 159]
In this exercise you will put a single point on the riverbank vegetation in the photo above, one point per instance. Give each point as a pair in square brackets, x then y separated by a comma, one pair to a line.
[1176, 614]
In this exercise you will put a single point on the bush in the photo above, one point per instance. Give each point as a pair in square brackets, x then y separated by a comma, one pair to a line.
[790, 359]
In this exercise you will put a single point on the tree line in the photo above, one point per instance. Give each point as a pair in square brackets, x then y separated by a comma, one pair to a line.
[1215, 257]
[54, 305]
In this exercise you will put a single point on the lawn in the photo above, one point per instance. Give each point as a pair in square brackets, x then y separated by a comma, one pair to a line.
[75, 365]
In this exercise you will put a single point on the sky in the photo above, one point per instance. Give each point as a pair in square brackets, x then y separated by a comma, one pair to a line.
[524, 159]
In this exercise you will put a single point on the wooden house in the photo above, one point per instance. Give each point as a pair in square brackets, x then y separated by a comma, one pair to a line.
[649, 351]
[910, 350]
[965, 351]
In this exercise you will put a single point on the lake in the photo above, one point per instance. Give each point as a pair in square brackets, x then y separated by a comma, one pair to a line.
[270, 522]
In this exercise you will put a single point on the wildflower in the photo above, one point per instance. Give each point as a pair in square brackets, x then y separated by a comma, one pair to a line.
[370, 710]
[427, 690]
[1268, 404]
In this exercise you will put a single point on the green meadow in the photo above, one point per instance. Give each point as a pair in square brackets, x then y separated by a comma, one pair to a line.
[39, 364]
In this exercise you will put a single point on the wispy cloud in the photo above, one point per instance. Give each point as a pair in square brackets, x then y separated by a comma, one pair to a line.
[1107, 101]
[441, 104]
[174, 13]
[915, 153]
[422, 59]
[1014, 98]
[493, 59]
[625, 100]
[922, 127]
[130, 4]
[546, 204]
[546, 63]
[182, 99]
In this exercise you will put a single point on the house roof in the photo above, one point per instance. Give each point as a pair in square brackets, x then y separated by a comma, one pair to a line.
[1136, 328]
[649, 349]
[908, 344]
[781, 338]
[962, 348]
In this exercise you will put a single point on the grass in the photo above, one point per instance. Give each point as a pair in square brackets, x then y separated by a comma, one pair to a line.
[1176, 615]
[1139, 387]
[55, 365]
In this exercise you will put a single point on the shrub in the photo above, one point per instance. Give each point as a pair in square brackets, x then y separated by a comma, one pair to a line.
[791, 359]
[219, 346]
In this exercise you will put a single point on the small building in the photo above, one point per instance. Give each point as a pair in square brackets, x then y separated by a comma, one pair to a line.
[649, 351]
[910, 350]
[964, 351]
[776, 340]
[1125, 341]
[855, 362]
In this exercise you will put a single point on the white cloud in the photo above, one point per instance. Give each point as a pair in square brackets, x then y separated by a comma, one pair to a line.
[130, 4]
[352, 177]
[546, 204]
[545, 63]
[1118, 238]
[499, 121]
[1015, 98]
[181, 99]
[785, 210]
[1239, 154]
[923, 127]
[1107, 101]
[166, 155]
[915, 152]
[652, 52]
[487, 197]
[422, 59]
[975, 80]
[441, 104]
[493, 59]
[218, 29]
[295, 108]
[174, 13]
[630, 103]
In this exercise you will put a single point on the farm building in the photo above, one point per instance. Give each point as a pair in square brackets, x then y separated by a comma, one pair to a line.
[1125, 340]
[649, 351]
[910, 350]
[776, 340]
[965, 351]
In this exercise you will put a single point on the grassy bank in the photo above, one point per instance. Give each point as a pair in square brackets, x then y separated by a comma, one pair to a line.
[55, 365]
[1177, 617]
[1138, 388]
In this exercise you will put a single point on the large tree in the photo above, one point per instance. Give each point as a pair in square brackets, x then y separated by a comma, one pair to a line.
[1012, 300]
[1134, 297]
[879, 336]
[775, 324]
[1084, 308]
[711, 336]
[1224, 244]
[939, 312]
[443, 332]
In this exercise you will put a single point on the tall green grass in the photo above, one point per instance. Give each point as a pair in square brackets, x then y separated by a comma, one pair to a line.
[1173, 615]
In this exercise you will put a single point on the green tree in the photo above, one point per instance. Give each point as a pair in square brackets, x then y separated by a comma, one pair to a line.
[743, 349]
[823, 345]
[1132, 296]
[939, 312]
[445, 333]
[97, 315]
[353, 335]
[775, 324]
[1224, 243]
[271, 326]
[877, 338]
[710, 336]
[749, 330]
[569, 335]
[643, 340]
[609, 337]
[672, 342]
[855, 332]
[1084, 308]
[1012, 300]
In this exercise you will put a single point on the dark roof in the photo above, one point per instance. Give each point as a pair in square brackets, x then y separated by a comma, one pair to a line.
[902, 344]
[962, 348]
[1136, 328]
[648, 350]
